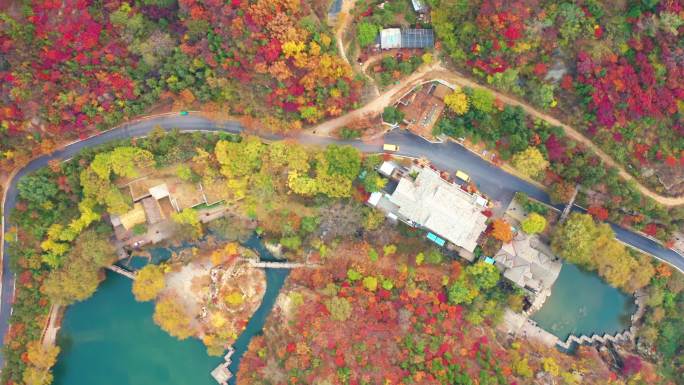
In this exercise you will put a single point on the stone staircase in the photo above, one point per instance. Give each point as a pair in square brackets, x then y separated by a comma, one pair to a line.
[624, 336]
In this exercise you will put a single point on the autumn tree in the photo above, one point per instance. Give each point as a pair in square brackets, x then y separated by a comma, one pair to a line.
[366, 33]
[36, 376]
[339, 308]
[533, 224]
[582, 241]
[96, 248]
[392, 115]
[598, 212]
[343, 160]
[457, 101]
[239, 159]
[148, 283]
[79, 274]
[104, 192]
[75, 282]
[171, 316]
[561, 192]
[42, 356]
[484, 275]
[370, 283]
[501, 230]
[122, 161]
[574, 239]
[530, 162]
[483, 100]
[37, 188]
[189, 221]
[373, 219]
[40, 359]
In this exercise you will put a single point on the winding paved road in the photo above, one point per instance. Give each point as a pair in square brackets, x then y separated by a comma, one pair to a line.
[493, 181]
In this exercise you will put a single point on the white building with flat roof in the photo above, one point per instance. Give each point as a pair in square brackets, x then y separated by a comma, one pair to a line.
[437, 205]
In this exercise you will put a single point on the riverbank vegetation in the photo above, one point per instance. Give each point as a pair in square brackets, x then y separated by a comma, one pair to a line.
[71, 68]
[582, 241]
[439, 315]
[611, 68]
[544, 153]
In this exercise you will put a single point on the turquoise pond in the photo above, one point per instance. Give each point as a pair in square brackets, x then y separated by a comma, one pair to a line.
[110, 339]
[582, 303]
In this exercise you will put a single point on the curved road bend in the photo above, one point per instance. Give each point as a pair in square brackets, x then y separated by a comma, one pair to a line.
[449, 156]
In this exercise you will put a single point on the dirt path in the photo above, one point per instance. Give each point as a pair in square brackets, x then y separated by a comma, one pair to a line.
[343, 20]
[437, 71]
[378, 104]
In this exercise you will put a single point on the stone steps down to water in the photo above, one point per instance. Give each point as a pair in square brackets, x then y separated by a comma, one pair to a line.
[221, 373]
[586, 340]
[627, 335]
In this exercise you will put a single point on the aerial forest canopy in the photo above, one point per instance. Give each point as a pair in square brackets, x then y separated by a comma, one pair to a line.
[613, 68]
[70, 67]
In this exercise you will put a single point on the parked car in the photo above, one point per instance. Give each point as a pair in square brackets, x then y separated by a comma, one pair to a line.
[390, 147]
[462, 176]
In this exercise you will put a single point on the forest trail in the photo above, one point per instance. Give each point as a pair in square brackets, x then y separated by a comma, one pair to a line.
[438, 71]
[343, 20]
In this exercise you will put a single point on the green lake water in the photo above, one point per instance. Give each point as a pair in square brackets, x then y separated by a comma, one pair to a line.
[582, 303]
[110, 339]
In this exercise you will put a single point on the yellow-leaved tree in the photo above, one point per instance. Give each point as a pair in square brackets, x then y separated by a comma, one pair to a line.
[457, 101]
[530, 162]
[148, 283]
[171, 316]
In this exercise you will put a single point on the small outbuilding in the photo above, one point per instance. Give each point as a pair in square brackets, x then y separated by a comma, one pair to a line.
[394, 38]
[133, 217]
[419, 6]
[390, 38]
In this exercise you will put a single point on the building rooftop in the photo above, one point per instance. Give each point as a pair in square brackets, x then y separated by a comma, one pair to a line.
[390, 38]
[386, 168]
[133, 217]
[140, 188]
[441, 91]
[417, 38]
[419, 6]
[422, 108]
[528, 263]
[152, 210]
[159, 191]
[442, 207]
